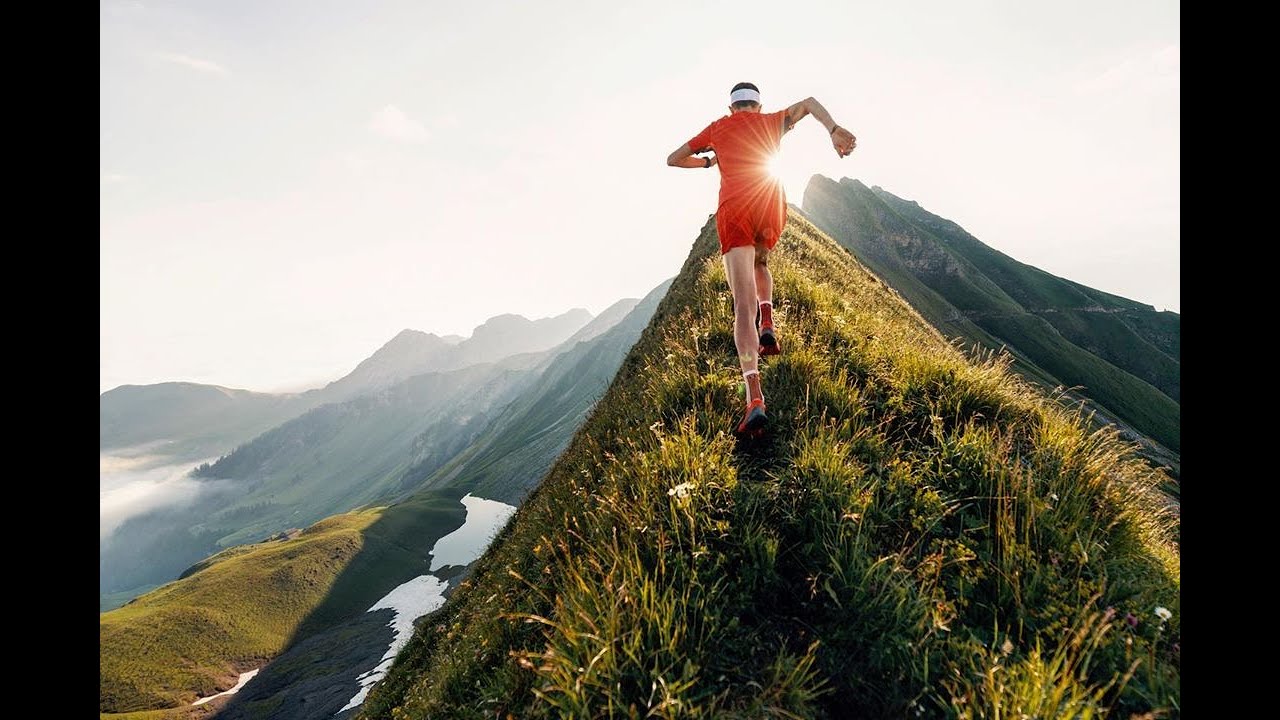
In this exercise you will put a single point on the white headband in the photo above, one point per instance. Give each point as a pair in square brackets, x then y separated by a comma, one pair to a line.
[745, 94]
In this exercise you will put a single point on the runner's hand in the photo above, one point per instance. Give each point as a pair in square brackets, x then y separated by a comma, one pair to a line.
[715, 160]
[843, 141]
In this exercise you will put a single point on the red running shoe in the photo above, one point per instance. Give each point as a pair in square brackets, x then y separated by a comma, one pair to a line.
[754, 419]
[769, 342]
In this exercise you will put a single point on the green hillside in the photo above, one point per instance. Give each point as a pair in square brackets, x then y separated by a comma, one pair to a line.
[919, 535]
[235, 610]
[1123, 354]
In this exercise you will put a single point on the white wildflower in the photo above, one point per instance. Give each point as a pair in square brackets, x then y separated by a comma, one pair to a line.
[682, 490]
[1163, 613]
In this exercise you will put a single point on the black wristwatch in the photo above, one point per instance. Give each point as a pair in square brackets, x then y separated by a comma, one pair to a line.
[706, 161]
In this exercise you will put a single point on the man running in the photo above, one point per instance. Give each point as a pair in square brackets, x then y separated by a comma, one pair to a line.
[752, 212]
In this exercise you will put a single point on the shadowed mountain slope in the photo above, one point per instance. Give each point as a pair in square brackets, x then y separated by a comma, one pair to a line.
[1124, 355]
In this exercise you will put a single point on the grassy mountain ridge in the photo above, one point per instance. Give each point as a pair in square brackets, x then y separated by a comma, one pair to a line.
[919, 535]
[1102, 323]
[1123, 353]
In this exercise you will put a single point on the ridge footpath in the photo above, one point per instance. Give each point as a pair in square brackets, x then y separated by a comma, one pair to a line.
[920, 534]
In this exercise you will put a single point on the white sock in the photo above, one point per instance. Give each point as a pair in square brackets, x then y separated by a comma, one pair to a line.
[746, 386]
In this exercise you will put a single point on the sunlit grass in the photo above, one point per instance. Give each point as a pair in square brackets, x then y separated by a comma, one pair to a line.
[190, 638]
[921, 534]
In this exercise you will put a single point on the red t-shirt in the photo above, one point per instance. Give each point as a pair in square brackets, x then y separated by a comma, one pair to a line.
[744, 142]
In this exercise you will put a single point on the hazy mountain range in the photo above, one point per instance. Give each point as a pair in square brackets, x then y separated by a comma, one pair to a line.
[181, 421]
[412, 406]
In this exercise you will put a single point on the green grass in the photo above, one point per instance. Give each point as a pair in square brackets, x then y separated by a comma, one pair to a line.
[1122, 393]
[1112, 337]
[921, 534]
[239, 608]
[191, 637]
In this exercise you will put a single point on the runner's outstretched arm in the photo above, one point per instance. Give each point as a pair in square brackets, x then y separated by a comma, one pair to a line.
[683, 157]
[842, 140]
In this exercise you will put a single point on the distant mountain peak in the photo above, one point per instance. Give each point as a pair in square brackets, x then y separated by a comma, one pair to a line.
[413, 352]
[413, 338]
[398, 358]
[410, 332]
[500, 323]
[507, 334]
[508, 322]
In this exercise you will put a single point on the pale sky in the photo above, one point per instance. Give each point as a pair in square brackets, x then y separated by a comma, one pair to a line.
[286, 184]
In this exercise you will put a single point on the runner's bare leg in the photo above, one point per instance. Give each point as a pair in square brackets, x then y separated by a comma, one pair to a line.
[764, 280]
[739, 268]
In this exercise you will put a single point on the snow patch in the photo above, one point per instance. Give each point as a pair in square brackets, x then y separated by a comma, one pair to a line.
[425, 593]
[244, 678]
